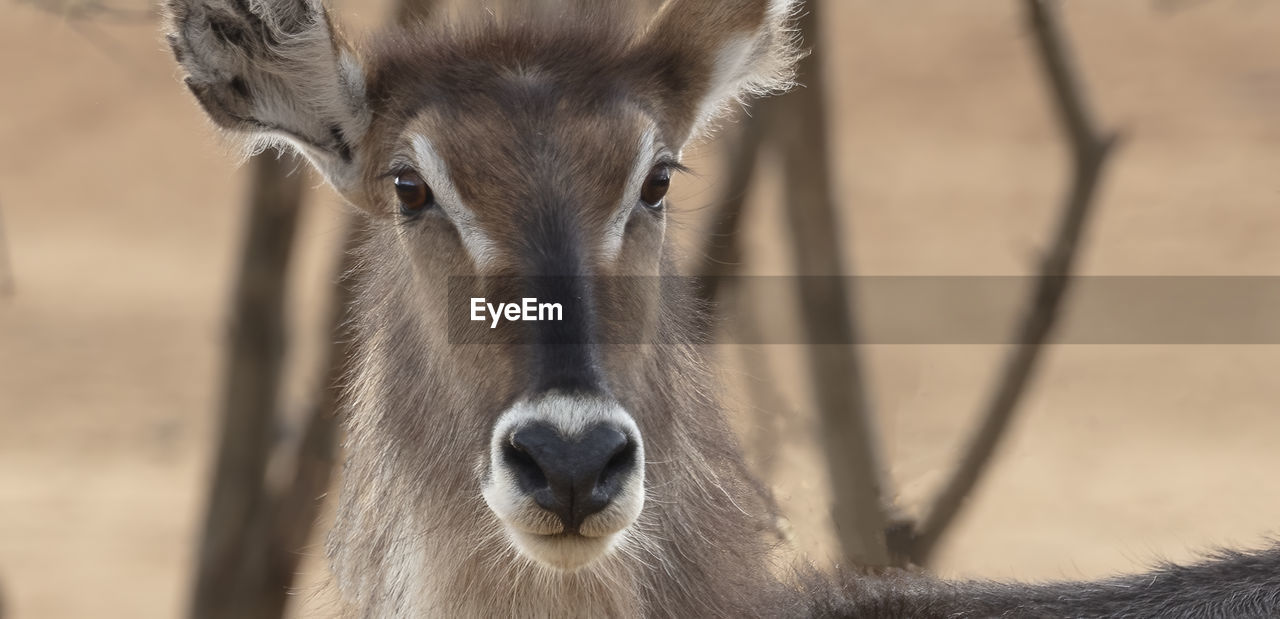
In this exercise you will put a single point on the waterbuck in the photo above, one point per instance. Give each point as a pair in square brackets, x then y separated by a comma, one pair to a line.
[578, 466]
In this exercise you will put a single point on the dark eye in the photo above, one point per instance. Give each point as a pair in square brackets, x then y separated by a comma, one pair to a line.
[414, 194]
[656, 185]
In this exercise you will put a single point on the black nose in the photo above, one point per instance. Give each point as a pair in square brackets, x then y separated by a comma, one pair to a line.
[570, 478]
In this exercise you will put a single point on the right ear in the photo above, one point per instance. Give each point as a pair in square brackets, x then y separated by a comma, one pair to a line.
[275, 70]
[700, 55]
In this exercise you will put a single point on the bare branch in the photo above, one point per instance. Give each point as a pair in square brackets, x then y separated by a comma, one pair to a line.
[295, 510]
[767, 404]
[232, 572]
[1089, 153]
[849, 437]
[416, 11]
[721, 253]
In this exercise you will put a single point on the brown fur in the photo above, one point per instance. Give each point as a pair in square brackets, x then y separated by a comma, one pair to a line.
[540, 117]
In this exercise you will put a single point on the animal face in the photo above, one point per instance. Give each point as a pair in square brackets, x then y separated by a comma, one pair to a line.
[527, 158]
[540, 184]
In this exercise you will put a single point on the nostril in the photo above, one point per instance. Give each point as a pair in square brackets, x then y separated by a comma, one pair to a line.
[621, 463]
[528, 474]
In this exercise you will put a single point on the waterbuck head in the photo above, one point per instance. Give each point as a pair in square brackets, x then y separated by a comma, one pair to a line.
[524, 153]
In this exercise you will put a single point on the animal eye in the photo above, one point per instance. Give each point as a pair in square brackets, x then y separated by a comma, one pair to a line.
[656, 185]
[414, 194]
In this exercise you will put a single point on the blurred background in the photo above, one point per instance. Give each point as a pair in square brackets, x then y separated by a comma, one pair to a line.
[122, 216]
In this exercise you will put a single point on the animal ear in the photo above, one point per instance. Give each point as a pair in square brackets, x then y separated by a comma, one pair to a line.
[700, 55]
[275, 70]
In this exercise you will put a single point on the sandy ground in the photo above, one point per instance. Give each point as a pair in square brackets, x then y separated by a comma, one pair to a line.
[121, 213]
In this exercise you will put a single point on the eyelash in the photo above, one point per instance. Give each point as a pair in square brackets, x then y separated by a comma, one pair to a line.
[669, 162]
[395, 170]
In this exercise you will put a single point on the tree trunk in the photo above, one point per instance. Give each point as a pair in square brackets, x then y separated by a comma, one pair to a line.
[232, 573]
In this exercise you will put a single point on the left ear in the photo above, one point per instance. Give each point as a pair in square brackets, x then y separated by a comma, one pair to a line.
[275, 70]
[699, 55]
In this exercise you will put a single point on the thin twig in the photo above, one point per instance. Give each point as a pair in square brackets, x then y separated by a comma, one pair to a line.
[1089, 153]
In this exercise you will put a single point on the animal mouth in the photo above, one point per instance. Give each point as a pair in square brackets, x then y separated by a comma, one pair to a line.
[571, 535]
[565, 551]
[568, 536]
[539, 536]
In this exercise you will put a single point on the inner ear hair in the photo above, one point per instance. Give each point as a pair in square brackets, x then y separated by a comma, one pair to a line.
[274, 70]
[701, 55]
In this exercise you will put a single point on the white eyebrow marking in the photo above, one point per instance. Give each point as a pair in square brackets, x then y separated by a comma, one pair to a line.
[435, 171]
[612, 243]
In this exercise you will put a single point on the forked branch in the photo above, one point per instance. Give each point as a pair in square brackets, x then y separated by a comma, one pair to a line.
[1089, 149]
